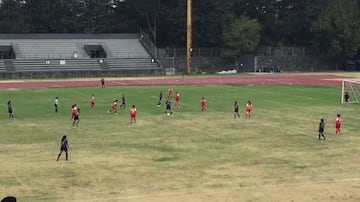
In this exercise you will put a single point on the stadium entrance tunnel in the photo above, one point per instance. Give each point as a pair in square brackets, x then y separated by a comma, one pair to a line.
[95, 51]
[7, 52]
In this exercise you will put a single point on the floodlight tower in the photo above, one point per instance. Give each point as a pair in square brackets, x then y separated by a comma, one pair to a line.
[188, 36]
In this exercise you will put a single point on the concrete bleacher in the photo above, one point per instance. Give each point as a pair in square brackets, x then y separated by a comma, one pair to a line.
[2, 66]
[47, 49]
[44, 52]
[131, 63]
[57, 65]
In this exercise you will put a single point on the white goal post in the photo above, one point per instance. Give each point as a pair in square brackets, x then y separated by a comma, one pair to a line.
[352, 88]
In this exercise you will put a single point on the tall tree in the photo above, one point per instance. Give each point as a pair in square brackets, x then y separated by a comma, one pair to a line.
[242, 37]
[337, 31]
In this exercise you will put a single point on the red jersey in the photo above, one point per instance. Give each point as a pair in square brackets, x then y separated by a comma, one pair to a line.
[248, 107]
[115, 105]
[177, 98]
[203, 102]
[74, 111]
[170, 92]
[338, 122]
[133, 112]
[93, 99]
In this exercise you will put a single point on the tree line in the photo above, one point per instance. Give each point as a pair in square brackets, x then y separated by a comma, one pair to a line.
[330, 27]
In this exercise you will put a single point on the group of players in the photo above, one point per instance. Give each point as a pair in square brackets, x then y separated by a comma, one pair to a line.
[338, 121]
[75, 111]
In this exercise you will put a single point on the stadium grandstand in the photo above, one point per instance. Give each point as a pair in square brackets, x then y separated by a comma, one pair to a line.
[61, 55]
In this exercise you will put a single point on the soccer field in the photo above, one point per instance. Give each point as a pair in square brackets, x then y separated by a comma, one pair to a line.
[190, 156]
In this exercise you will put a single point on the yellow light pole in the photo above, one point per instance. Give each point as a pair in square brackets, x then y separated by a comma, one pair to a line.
[189, 36]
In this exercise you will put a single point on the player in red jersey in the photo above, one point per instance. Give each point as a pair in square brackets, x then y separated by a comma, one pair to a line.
[114, 107]
[338, 124]
[203, 104]
[248, 110]
[133, 114]
[75, 115]
[177, 100]
[170, 93]
[92, 103]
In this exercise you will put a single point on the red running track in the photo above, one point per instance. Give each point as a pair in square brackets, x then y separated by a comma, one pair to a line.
[323, 80]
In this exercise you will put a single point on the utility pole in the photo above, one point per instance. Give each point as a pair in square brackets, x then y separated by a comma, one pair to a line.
[189, 36]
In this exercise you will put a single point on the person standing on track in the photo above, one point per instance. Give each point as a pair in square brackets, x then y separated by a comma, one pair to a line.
[102, 83]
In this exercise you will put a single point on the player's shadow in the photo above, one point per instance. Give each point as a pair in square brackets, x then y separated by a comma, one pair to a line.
[8, 199]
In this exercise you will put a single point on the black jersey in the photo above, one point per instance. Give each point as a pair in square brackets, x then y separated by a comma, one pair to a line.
[321, 126]
[168, 105]
[236, 108]
[64, 145]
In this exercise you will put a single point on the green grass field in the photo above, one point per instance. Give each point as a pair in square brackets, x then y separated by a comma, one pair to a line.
[190, 156]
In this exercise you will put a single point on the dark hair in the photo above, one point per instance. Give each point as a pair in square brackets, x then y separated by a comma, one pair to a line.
[63, 138]
[322, 120]
[133, 106]
[249, 102]
[338, 115]
[9, 102]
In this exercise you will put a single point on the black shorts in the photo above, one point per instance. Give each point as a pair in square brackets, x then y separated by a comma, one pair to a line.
[10, 111]
[65, 149]
[321, 130]
[76, 117]
[56, 105]
[236, 110]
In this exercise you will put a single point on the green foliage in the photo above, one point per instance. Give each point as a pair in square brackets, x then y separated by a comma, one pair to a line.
[242, 36]
[330, 26]
[337, 29]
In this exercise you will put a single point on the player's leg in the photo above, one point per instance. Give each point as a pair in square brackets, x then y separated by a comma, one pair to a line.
[67, 155]
[59, 155]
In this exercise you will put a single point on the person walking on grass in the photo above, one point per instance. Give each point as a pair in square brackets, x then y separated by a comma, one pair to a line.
[321, 129]
[92, 102]
[64, 147]
[75, 112]
[236, 110]
[10, 110]
[133, 114]
[160, 99]
[338, 123]
[123, 102]
[248, 110]
[56, 104]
